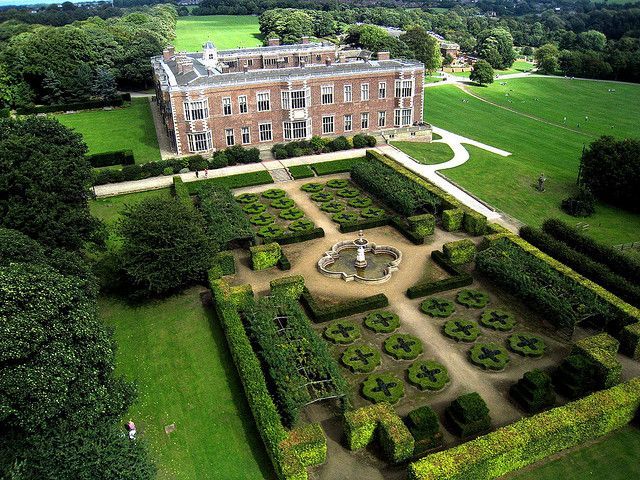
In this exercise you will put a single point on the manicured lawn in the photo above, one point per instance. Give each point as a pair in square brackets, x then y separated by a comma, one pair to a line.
[507, 182]
[126, 128]
[225, 31]
[517, 67]
[426, 153]
[615, 458]
[176, 352]
[108, 209]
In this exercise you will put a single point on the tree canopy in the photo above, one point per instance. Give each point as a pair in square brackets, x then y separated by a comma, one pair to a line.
[425, 48]
[496, 47]
[482, 73]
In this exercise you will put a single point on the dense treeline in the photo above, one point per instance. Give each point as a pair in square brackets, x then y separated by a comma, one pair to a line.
[84, 60]
[59, 15]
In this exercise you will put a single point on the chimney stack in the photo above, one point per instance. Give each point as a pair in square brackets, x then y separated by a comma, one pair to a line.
[383, 55]
[168, 53]
[273, 42]
[305, 39]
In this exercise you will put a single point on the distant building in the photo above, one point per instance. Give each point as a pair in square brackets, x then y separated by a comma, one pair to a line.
[446, 47]
[214, 99]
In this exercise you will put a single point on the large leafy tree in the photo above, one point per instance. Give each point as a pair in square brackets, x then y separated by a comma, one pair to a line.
[496, 46]
[547, 58]
[44, 187]
[482, 73]
[164, 245]
[425, 48]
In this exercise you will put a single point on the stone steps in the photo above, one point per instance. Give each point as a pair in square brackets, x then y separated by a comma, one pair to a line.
[280, 175]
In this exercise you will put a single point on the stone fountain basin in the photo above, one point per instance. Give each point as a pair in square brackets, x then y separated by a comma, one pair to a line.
[330, 257]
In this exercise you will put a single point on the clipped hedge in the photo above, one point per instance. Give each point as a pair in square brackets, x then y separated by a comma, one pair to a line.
[364, 224]
[240, 180]
[342, 332]
[107, 159]
[181, 192]
[459, 279]
[428, 375]
[425, 428]
[383, 387]
[423, 225]
[362, 425]
[336, 166]
[360, 358]
[532, 439]
[474, 223]
[265, 256]
[301, 171]
[468, 415]
[460, 251]
[223, 263]
[65, 107]
[534, 391]
[403, 346]
[288, 287]
[452, 219]
[321, 312]
[302, 236]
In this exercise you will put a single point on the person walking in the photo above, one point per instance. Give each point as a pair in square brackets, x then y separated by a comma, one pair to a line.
[206, 173]
[197, 174]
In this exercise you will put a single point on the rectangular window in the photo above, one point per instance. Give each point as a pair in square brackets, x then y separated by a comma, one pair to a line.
[294, 99]
[250, 62]
[404, 88]
[402, 117]
[295, 130]
[264, 101]
[197, 110]
[199, 142]
[382, 89]
[364, 92]
[348, 94]
[348, 123]
[382, 119]
[327, 124]
[364, 120]
[228, 133]
[303, 59]
[246, 135]
[265, 132]
[226, 106]
[270, 62]
[242, 104]
[327, 94]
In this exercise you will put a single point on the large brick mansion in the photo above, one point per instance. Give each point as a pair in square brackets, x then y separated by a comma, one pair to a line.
[214, 99]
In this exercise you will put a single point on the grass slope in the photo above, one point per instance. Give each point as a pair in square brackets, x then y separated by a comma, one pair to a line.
[508, 182]
[426, 153]
[518, 66]
[127, 128]
[615, 458]
[176, 352]
[226, 31]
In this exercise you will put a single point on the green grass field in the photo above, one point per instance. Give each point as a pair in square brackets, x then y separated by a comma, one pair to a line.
[615, 458]
[225, 31]
[517, 67]
[127, 128]
[176, 352]
[426, 153]
[507, 182]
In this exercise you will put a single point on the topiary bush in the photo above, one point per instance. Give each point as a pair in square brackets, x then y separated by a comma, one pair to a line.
[422, 225]
[452, 219]
[489, 356]
[497, 319]
[403, 346]
[261, 219]
[332, 207]
[287, 287]
[322, 196]
[381, 387]
[428, 375]
[247, 198]
[361, 358]
[265, 256]
[425, 428]
[254, 208]
[337, 183]
[342, 332]
[291, 213]
[381, 321]
[468, 415]
[534, 391]
[312, 187]
[274, 193]
[472, 298]
[301, 225]
[360, 202]
[474, 223]
[526, 344]
[459, 252]
[348, 192]
[372, 212]
[461, 330]
[437, 307]
[270, 231]
[344, 217]
[282, 203]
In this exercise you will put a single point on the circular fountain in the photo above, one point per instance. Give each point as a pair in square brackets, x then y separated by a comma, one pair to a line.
[360, 260]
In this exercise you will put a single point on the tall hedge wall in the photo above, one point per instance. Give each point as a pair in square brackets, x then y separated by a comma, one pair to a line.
[532, 439]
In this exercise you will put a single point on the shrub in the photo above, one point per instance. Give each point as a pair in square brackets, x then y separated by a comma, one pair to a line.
[270, 232]
[219, 160]
[321, 312]
[339, 143]
[474, 223]
[534, 391]
[254, 208]
[167, 171]
[332, 206]
[452, 219]
[335, 166]
[437, 307]
[580, 205]
[288, 287]
[196, 162]
[526, 345]
[300, 171]
[497, 319]
[337, 183]
[292, 214]
[348, 192]
[344, 217]
[322, 196]
[282, 203]
[301, 225]
[428, 375]
[247, 198]
[265, 256]
[274, 193]
[360, 202]
[283, 263]
[361, 358]
[461, 330]
[372, 212]
[262, 219]
[382, 321]
[459, 279]
[342, 332]
[383, 387]
[489, 356]
[223, 264]
[423, 225]
[459, 252]
[279, 151]
[472, 298]
[468, 415]
[403, 346]
[312, 187]
[359, 141]
[86, 105]
[425, 428]
[238, 154]
[225, 222]
[106, 159]
[181, 192]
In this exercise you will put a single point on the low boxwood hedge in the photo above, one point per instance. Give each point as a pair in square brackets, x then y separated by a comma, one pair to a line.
[254, 208]
[261, 219]
[489, 356]
[403, 346]
[287, 287]
[428, 375]
[461, 330]
[301, 171]
[301, 225]
[337, 183]
[425, 428]
[344, 217]
[497, 319]
[270, 231]
[468, 415]
[321, 197]
[361, 358]
[312, 187]
[472, 298]
[459, 279]
[526, 344]
[360, 202]
[437, 307]
[383, 387]
[423, 225]
[364, 224]
[372, 212]
[348, 192]
[247, 198]
[382, 321]
[293, 213]
[342, 331]
[300, 236]
[332, 206]
[274, 193]
[534, 391]
[282, 203]
[265, 256]
[321, 312]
